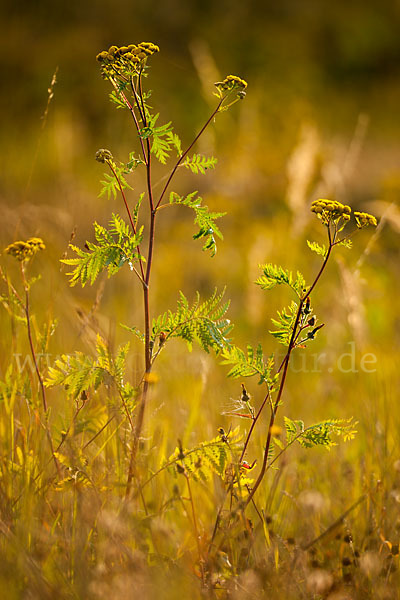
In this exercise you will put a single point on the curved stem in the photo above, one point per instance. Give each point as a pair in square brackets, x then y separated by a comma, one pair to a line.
[285, 366]
[181, 158]
[38, 374]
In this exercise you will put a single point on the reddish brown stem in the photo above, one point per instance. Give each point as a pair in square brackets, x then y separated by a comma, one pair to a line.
[285, 366]
[180, 159]
[132, 222]
[138, 97]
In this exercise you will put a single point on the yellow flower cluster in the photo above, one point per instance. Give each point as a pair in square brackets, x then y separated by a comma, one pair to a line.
[364, 219]
[133, 52]
[117, 60]
[231, 82]
[331, 210]
[25, 250]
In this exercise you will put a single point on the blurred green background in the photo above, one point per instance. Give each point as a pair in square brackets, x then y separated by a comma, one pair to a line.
[321, 119]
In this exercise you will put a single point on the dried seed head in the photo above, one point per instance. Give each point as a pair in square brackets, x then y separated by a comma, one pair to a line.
[103, 155]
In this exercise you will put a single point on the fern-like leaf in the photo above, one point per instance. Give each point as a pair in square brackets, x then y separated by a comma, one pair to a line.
[319, 434]
[208, 458]
[79, 373]
[111, 184]
[201, 322]
[199, 163]
[247, 365]
[162, 137]
[274, 275]
[204, 219]
[115, 247]
[285, 323]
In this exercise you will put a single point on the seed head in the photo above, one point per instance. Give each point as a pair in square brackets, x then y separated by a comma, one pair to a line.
[103, 155]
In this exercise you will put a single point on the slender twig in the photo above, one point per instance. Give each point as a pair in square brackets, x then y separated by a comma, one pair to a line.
[35, 362]
[186, 152]
[285, 366]
[139, 101]
[195, 527]
[246, 443]
[132, 222]
[146, 304]
[132, 111]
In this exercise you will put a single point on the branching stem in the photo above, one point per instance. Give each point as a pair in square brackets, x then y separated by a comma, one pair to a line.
[284, 368]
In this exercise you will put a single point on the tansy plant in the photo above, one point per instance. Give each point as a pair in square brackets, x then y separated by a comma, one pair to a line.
[18, 305]
[122, 245]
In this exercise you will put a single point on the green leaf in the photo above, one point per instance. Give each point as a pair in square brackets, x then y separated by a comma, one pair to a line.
[79, 373]
[285, 323]
[206, 459]
[116, 99]
[275, 275]
[319, 434]
[293, 428]
[175, 142]
[315, 247]
[135, 332]
[199, 163]
[250, 364]
[201, 322]
[204, 219]
[110, 184]
[115, 247]
[162, 138]
[346, 243]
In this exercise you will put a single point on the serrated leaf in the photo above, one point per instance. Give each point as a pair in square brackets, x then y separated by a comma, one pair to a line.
[248, 365]
[199, 163]
[284, 324]
[204, 219]
[200, 322]
[206, 459]
[275, 275]
[346, 243]
[115, 247]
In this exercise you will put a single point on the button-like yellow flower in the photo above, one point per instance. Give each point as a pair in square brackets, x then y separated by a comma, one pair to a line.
[364, 219]
[25, 250]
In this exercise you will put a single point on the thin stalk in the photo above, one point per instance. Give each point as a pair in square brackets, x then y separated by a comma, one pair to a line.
[186, 152]
[132, 111]
[38, 374]
[146, 305]
[195, 528]
[132, 222]
[139, 100]
[285, 366]
[246, 443]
